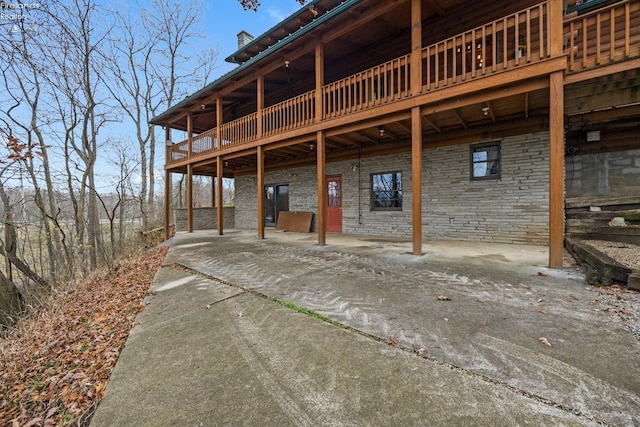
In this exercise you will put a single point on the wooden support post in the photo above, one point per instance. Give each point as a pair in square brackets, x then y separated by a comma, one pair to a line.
[220, 201]
[190, 198]
[167, 204]
[319, 81]
[416, 47]
[213, 191]
[556, 141]
[416, 178]
[260, 192]
[556, 170]
[322, 191]
[167, 184]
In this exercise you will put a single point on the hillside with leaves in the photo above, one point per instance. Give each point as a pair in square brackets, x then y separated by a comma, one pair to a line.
[54, 366]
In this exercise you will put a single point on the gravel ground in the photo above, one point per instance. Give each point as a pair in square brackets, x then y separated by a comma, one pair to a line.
[626, 254]
[616, 299]
[623, 303]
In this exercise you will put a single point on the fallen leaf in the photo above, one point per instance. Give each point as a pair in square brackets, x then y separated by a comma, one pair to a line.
[444, 298]
[540, 299]
[392, 340]
[421, 351]
[541, 274]
[208, 306]
[482, 301]
[544, 341]
[240, 314]
[542, 310]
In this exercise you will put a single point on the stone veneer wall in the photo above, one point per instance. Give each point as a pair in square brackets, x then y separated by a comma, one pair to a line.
[513, 209]
[204, 218]
[616, 173]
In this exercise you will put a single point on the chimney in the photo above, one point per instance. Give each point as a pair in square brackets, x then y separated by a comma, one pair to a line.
[244, 39]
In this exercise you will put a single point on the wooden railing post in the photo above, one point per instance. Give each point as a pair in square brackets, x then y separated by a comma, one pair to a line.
[319, 81]
[416, 47]
[260, 102]
[218, 142]
[189, 134]
[556, 28]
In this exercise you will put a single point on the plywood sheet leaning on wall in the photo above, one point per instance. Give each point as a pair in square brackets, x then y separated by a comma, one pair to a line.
[295, 221]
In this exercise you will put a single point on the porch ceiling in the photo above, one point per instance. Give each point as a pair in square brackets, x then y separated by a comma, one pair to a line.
[470, 123]
[382, 33]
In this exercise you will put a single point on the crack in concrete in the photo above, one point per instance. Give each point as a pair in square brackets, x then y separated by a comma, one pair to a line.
[392, 342]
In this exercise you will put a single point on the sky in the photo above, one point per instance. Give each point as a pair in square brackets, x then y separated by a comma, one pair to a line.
[226, 18]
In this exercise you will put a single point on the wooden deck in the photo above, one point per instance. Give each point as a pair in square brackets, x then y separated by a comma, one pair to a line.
[607, 36]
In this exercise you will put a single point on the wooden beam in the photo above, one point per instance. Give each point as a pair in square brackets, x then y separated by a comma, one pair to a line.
[492, 114]
[190, 198]
[632, 64]
[456, 113]
[220, 201]
[556, 170]
[416, 179]
[526, 105]
[432, 123]
[322, 193]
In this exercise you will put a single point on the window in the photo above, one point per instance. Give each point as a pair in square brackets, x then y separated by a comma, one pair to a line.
[485, 161]
[386, 191]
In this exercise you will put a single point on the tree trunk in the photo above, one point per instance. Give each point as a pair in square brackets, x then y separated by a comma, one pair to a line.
[11, 302]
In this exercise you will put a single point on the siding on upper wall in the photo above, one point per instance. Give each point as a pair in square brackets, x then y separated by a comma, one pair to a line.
[616, 173]
[513, 209]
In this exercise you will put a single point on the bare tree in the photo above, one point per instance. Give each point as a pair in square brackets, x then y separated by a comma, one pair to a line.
[151, 69]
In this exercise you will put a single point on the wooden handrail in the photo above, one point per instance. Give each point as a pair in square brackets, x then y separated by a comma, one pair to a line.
[603, 36]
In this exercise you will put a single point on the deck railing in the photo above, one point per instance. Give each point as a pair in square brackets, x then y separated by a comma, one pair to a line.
[603, 36]
[290, 114]
[596, 38]
[378, 85]
[239, 131]
[204, 142]
[505, 43]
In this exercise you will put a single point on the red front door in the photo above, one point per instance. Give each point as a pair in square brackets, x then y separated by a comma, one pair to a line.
[334, 203]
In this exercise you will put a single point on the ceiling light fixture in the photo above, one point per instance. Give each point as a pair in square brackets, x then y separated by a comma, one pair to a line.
[485, 110]
[381, 130]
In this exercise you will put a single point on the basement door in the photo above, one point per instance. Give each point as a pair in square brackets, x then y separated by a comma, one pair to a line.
[334, 203]
[276, 201]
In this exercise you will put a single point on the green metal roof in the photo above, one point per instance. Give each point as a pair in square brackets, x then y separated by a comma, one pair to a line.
[269, 51]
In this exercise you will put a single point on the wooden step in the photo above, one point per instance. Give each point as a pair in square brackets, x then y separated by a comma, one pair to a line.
[629, 202]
